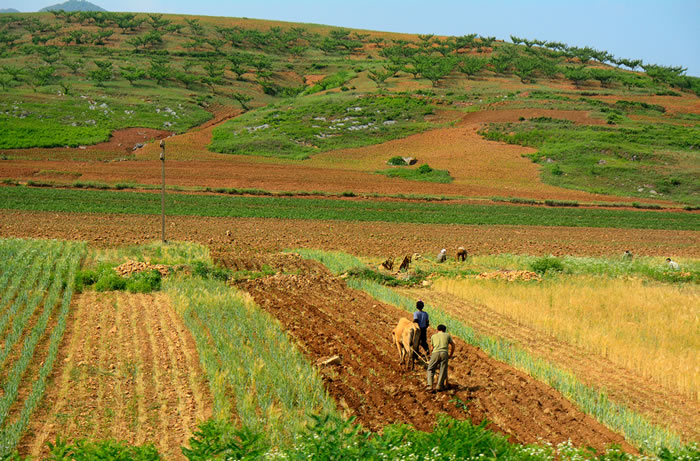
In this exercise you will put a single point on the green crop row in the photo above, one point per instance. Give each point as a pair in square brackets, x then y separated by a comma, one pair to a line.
[49, 286]
[121, 202]
[637, 429]
[244, 349]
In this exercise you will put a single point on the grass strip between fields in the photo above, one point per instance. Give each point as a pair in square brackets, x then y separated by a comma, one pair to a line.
[120, 202]
[636, 429]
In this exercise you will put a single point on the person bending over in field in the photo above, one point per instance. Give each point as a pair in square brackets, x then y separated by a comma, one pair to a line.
[672, 264]
[423, 321]
[439, 357]
[442, 256]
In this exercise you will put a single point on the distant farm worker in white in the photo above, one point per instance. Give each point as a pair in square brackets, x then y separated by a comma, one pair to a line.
[627, 255]
[423, 321]
[442, 256]
[672, 264]
[440, 342]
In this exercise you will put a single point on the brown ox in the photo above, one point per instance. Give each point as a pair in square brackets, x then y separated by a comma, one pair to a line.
[407, 338]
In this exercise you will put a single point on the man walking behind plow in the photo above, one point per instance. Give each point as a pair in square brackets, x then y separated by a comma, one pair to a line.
[440, 342]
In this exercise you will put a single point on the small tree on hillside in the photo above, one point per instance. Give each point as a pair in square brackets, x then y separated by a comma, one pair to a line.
[157, 21]
[239, 64]
[49, 54]
[465, 41]
[604, 76]
[665, 74]
[159, 71]
[380, 76]
[132, 73]
[74, 65]
[471, 65]
[44, 75]
[525, 68]
[102, 73]
[242, 100]
[578, 75]
[434, 68]
[5, 82]
[215, 74]
[187, 78]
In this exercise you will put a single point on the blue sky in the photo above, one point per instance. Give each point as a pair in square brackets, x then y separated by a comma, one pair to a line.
[658, 32]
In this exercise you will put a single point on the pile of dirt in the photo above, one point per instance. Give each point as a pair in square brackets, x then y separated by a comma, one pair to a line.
[132, 267]
[509, 275]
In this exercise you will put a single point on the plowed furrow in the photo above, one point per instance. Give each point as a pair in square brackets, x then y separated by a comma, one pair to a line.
[327, 318]
[177, 417]
[146, 387]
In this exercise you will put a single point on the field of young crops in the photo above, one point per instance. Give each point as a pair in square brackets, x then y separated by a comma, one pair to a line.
[92, 201]
[36, 290]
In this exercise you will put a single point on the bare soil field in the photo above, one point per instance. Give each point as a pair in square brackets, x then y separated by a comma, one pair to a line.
[661, 405]
[363, 239]
[127, 369]
[327, 318]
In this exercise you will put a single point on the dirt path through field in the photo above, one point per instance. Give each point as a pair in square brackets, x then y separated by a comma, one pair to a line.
[663, 406]
[326, 318]
[127, 369]
[195, 141]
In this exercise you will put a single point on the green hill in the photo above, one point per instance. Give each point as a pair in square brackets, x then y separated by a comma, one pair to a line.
[70, 78]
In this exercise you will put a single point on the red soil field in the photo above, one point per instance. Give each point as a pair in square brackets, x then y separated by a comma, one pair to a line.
[363, 239]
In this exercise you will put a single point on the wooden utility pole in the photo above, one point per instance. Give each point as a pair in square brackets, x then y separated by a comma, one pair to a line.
[162, 191]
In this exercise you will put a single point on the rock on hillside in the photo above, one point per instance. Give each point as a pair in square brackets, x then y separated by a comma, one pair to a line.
[73, 5]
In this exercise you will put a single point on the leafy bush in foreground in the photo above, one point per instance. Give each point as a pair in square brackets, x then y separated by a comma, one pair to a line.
[335, 438]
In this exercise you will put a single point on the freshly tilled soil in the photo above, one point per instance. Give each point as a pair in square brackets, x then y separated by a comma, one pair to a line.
[325, 317]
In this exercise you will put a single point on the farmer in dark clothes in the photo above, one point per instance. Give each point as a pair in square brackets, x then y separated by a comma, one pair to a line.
[423, 321]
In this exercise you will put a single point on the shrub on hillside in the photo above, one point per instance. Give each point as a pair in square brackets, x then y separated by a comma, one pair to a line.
[397, 161]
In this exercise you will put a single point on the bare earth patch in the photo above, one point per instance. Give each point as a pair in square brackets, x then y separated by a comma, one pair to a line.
[480, 168]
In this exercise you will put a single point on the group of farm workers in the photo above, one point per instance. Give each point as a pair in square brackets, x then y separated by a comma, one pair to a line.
[438, 352]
